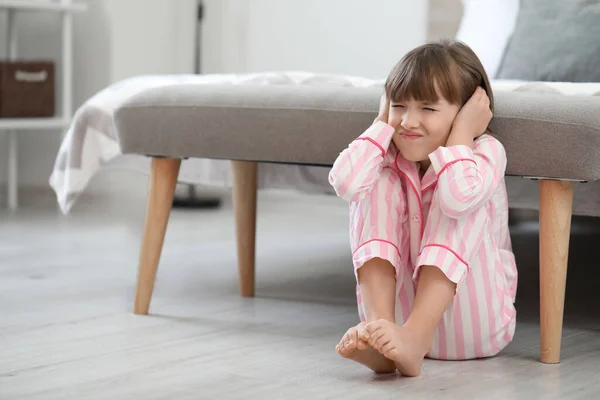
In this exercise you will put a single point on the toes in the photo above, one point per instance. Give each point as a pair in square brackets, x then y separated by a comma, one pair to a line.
[352, 335]
[375, 333]
[381, 342]
[363, 335]
[351, 339]
[348, 342]
[360, 329]
[373, 327]
[351, 345]
[342, 344]
[347, 338]
[389, 351]
[366, 334]
[375, 336]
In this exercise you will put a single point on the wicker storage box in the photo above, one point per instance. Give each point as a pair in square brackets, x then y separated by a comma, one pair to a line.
[27, 89]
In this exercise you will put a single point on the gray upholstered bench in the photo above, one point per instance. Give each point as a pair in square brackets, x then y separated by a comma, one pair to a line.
[553, 138]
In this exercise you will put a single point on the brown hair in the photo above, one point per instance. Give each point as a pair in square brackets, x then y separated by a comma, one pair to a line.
[449, 64]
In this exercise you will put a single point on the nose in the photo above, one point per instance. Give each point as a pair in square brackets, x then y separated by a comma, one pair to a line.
[409, 121]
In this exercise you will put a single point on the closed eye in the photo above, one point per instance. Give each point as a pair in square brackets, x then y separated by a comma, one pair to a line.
[397, 105]
[429, 109]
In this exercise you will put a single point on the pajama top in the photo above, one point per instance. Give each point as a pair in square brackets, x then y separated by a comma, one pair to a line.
[455, 218]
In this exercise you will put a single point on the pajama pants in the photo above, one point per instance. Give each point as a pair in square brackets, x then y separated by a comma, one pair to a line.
[481, 319]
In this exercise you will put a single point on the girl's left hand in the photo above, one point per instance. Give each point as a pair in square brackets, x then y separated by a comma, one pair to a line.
[473, 118]
[384, 109]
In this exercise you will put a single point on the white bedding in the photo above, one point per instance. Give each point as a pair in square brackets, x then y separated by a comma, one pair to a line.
[90, 144]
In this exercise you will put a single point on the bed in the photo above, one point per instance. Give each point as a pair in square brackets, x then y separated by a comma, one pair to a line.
[90, 144]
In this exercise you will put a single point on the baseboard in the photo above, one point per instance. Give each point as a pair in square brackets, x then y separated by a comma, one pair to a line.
[44, 197]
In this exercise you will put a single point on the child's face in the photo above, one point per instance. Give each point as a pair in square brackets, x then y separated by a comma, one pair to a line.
[420, 128]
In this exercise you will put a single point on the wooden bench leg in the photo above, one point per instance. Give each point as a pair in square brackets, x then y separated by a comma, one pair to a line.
[244, 204]
[163, 178]
[556, 206]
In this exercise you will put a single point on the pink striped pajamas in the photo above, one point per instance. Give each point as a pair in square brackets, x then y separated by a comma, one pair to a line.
[455, 217]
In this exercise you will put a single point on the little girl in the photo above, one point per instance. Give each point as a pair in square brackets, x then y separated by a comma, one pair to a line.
[436, 276]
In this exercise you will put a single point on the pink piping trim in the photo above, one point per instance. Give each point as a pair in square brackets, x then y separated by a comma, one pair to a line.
[454, 162]
[430, 186]
[374, 142]
[447, 248]
[378, 240]
[416, 193]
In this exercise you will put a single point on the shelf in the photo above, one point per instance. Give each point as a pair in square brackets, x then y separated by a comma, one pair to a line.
[32, 123]
[41, 5]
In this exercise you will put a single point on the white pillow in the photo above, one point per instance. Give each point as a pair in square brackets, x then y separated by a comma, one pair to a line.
[486, 26]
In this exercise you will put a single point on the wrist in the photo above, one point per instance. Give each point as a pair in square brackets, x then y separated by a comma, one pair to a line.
[459, 137]
[381, 118]
[380, 133]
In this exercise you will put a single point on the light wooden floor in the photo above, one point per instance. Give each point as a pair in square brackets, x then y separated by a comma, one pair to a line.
[67, 331]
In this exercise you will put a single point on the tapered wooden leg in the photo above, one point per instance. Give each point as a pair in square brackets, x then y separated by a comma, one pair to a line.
[556, 205]
[163, 178]
[244, 203]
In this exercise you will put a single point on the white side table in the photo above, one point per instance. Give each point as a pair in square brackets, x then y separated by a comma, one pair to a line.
[12, 125]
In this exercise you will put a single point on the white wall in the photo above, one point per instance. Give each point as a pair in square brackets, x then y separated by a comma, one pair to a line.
[113, 39]
[116, 39]
[355, 37]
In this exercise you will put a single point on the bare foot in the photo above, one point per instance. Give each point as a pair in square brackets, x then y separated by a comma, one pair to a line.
[353, 348]
[397, 343]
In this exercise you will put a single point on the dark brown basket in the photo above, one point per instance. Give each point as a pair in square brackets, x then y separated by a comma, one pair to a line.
[26, 89]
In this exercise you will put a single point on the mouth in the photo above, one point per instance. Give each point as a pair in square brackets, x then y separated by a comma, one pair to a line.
[409, 135]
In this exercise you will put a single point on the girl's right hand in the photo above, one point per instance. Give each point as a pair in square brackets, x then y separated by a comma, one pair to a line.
[473, 118]
[384, 110]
